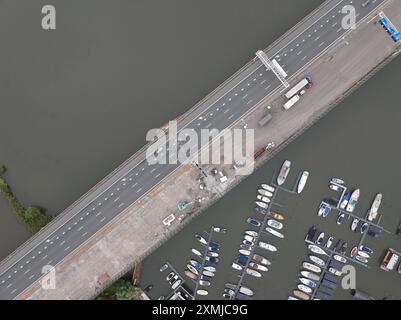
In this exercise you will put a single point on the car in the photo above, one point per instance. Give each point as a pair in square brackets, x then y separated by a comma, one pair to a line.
[222, 176]
[302, 92]
[341, 218]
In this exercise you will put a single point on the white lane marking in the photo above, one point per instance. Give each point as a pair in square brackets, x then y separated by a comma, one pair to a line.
[80, 228]
[31, 277]
[120, 205]
[116, 199]
[249, 102]
[263, 81]
[84, 234]
[303, 58]
[139, 190]
[153, 170]
[244, 97]
[62, 242]
[226, 111]
[99, 213]
[13, 291]
[158, 175]
[322, 43]
[9, 285]
[104, 218]
[27, 271]
[134, 185]
[230, 117]
[67, 248]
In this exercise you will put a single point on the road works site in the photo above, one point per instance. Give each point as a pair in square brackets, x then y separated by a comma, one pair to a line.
[155, 218]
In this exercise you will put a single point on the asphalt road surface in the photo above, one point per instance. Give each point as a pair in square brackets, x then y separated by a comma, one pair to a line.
[220, 111]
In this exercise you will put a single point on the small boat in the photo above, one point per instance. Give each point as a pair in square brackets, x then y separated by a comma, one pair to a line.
[374, 209]
[337, 180]
[354, 224]
[275, 215]
[200, 239]
[320, 238]
[318, 261]
[261, 204]
[262, 260]
[340, 258]
[212, 254]
[245, 247]
[163, 267]
[275, 233]
[324, 210]
[343, 248]
[308, 282]
[230, 286]
[214, 245]
[364, 227]
[363, 254]
[316, 249]
[192, 269]
[254, 222]
[176, 284]
[275, 224]
[263, 199]
[329, 242]
[208, 273]
[340, 218]
[209, 268]
[268, 188]
[195, 263]
[196, 252]
[251, 233]
[354, 252]
[265, 193]
[236, 266]
[353, 200]
[335, 187]
[302, 181]
[311, 267]
[204, 283]
[248, 243]
[335, 272]
[362, 259]
[253, 273]
[345, 201]
[212, 259]
[267, 246]
[301, 295]
[246, 291]
[258, 267]
[245, 252]
[249, 238]
[219, 230]
[284, 171]
[202, 292]
[259, 210]
[190, 275]
[227, 296]
[292, 298]
[305, 289]
[366, 249]
[310, 275]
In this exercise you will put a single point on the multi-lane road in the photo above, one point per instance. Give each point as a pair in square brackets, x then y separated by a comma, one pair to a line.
[223, 108]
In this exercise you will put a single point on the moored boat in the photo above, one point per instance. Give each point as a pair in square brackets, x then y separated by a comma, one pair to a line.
[202, 292]
[263, 198]
[245, 252]
[337, 180]
[362, 259]
[316, 249]
[311, 267]
[301, 295]
[251, 233]
[275, 233]
[268, 187]
[363, 254]
[200, 239]
[212, 254]
[254, 222]
[374, 209]
[265, 193]
[302, 181]
[190, 275]
[308, 282]
[192, 269]
[353, 200]
[345, 201]
[340, 258]
[305, 289]
[253, 273]
[261, 260]
[196, 252]
[236, 266]
[208, 273]
[195, 263]
[261, 204]
[353, 252]
[211, 269]
[284, 171]
[275, 224]
[258, 267]
[267, 246]
[275, 215]
[354, 224]
[310, 275]
[318, 261]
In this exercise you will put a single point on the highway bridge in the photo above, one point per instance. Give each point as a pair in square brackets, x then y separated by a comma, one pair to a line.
[135, 178]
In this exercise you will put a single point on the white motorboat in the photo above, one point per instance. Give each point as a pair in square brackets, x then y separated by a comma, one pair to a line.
[263, 205]
[267, 246]
[302, 181]
[263, 199]
[353, 200]
[284, 171]
[311, 267]
[316, 249]
[374, 209]
[253, 273]
[265, 193]
[275, 233]
[268, 188]
[318, 261]
[275, 224]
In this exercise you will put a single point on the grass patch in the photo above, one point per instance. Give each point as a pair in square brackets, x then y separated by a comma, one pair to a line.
[35, 218]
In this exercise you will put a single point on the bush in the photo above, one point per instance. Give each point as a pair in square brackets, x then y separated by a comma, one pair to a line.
[119, 290]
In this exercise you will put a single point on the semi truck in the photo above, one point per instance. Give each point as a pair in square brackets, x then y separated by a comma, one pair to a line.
[299, 86]
[288, 105]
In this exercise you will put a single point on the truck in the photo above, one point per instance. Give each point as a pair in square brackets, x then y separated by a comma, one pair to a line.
[289, 104]
[299, 86]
